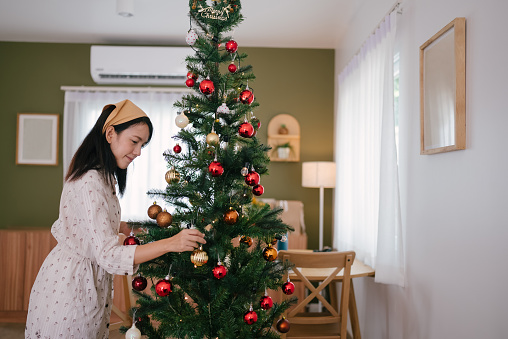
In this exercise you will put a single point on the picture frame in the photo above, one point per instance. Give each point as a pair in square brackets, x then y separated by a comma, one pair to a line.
[443, 90]
[37, 139]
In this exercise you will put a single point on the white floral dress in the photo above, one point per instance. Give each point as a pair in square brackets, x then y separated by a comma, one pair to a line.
[72, 295]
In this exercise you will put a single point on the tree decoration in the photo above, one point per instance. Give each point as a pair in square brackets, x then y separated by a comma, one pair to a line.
[212, 138]
[232, 67]
[139, 283]
[192, 75]
[164, 287]
[245, 170]
[231, 216]
[131, 240]
[224, 109]
[250, 317]
[288, 287]
[246, 130]
[215, 168]
[252, 178]
[154, 210]
[246, 240]
[283, 325]
[133, 332]
[270, 253]
[172, 176]
[231, 46]
[177, 149]
[164, 219]
[199, 257]
[206, 87]
[181, 120]
[246, 96]
[191, 37]
[266, 302]
[258, 190]
[219, 271]
[190, 82]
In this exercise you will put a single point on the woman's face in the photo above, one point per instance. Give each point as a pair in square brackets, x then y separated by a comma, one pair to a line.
[126, 145]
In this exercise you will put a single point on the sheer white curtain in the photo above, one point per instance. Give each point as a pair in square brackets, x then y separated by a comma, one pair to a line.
[367, 194]
[82, 108]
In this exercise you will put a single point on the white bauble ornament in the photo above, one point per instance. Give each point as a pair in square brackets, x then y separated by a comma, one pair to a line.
[223, 109]
[133, 333]
[181, 120]
[191, 37]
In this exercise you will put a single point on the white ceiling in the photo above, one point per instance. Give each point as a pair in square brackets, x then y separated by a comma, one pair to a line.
[268, 23]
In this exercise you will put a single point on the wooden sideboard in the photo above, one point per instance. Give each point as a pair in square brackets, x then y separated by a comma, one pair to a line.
[22, 253]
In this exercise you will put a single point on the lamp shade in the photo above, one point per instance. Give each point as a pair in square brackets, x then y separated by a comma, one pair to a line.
[318, 174]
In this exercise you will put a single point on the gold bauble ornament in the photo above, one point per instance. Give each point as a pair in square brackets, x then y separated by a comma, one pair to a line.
[154, 210]
[270, 253]
[246, 240]
[212, 139]
[199, 257]
[172, 176]
[164, 219]
[231, 216]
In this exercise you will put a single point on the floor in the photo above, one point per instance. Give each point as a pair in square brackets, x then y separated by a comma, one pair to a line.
[17, 331]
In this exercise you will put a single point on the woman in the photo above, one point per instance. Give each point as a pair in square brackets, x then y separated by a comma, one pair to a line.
[71, 297]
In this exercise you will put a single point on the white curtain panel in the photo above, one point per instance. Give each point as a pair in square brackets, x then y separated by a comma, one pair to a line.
[367, 203]
[81, 110]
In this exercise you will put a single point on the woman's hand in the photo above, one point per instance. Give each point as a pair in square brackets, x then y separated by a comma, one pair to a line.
[186, 240]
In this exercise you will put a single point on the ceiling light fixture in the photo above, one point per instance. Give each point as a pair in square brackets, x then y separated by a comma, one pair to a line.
[125, 8]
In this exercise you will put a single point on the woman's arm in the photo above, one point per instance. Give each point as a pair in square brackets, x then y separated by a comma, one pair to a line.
[186, 240]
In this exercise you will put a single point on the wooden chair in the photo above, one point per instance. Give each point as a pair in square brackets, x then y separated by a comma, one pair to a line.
[321, 268]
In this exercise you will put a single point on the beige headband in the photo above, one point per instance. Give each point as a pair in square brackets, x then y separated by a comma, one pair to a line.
[125, 111]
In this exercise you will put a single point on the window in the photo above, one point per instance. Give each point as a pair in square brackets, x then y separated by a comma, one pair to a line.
[367, 207]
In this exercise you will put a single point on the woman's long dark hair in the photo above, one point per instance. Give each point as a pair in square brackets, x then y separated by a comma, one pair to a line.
[95, 152]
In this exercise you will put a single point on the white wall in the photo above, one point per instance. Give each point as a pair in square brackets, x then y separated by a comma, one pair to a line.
[454, 205]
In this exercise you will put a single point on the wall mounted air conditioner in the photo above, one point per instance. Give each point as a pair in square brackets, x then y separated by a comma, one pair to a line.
[139, 65]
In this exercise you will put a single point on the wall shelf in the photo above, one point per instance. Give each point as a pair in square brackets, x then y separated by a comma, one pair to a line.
[275, 138]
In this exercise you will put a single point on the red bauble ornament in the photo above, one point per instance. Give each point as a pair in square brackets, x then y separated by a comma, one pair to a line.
[220, 271]
[250, 317]
[206, 87]
[266, 302]
[288, 288]
[177, 148]
[252, 178]
[139, 283]
[231, 46]
[258, 190]
[232, 67]
[190, 82]
[283, 325]
[246, 97]
[246, 130]
[131, 240]
[163, 287]
[191, 75]
[215, 168]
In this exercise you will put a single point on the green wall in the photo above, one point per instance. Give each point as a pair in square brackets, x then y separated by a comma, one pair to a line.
[294, 81]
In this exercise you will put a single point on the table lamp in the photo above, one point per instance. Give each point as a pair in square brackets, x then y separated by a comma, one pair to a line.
[319, 174]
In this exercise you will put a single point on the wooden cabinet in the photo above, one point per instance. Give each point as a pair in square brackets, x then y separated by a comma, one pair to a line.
[284, 129]
[21, 255]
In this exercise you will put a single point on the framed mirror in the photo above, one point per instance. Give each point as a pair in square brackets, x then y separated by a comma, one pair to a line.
[443, 90]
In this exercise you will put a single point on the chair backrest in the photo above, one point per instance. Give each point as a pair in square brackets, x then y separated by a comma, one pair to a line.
[324, 268]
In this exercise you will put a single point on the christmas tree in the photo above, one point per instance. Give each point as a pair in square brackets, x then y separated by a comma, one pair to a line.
[218, 291]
